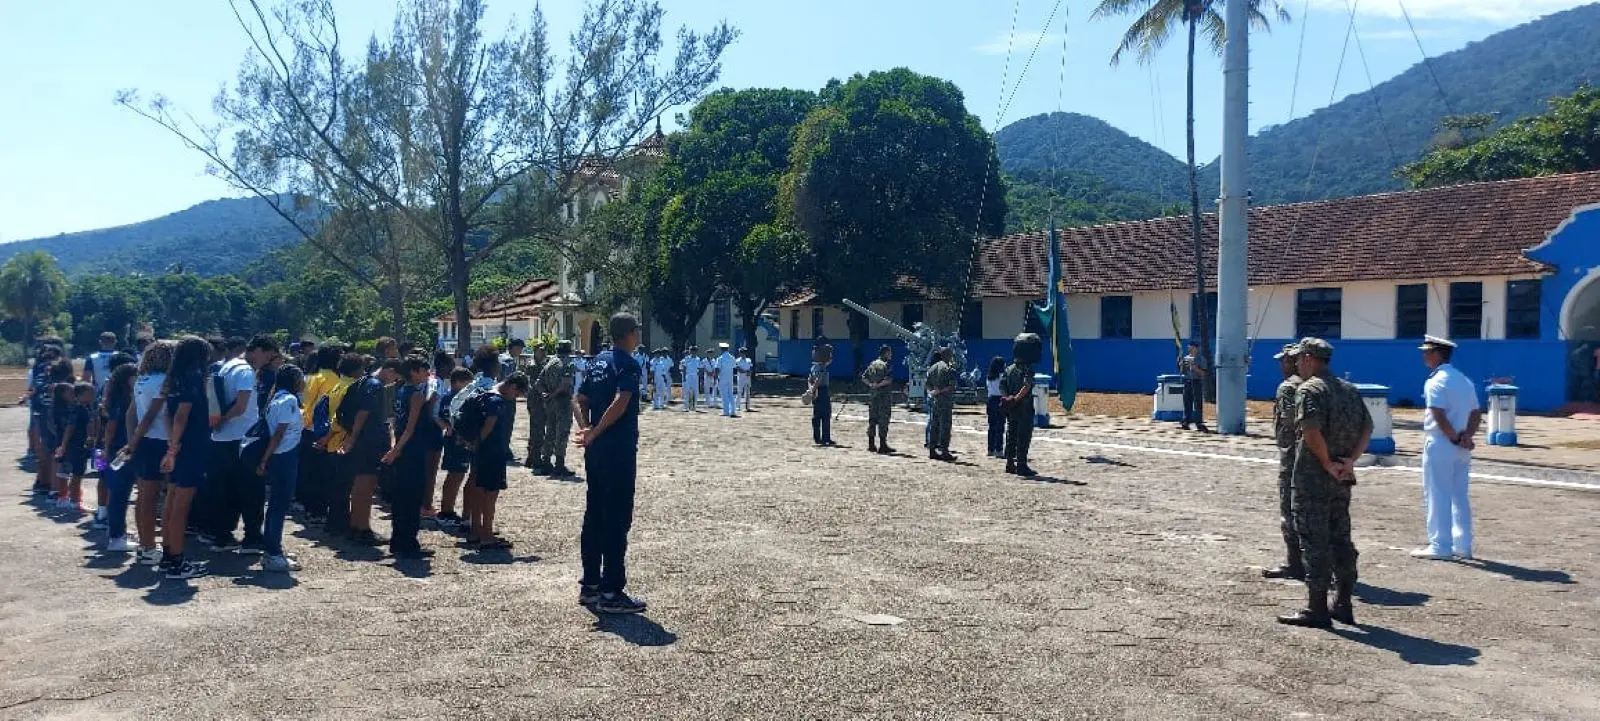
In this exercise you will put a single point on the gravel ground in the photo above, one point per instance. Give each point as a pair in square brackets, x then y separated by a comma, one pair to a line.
[788, 581]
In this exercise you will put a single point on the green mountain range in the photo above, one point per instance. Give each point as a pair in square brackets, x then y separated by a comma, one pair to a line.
[212, 238]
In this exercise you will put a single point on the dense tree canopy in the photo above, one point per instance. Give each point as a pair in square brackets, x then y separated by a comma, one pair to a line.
[1564, 140]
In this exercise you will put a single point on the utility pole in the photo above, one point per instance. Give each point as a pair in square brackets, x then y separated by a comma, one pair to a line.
[1233, 249]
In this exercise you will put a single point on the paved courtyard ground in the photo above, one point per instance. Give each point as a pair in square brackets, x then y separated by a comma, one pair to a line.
[787, 581]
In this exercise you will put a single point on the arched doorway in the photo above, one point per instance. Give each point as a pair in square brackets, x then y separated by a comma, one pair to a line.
[1580, 312]
[594, 337]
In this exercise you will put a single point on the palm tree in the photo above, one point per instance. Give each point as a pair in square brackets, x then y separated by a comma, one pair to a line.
[32, 287]
[1148, 33]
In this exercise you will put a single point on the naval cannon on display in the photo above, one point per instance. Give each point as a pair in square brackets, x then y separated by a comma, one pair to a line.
[921, 340]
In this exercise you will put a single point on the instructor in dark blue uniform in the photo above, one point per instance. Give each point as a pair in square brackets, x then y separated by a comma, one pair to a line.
[608, 431]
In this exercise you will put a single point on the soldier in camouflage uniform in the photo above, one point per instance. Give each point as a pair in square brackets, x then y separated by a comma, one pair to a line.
[1333, 428]
[1283, 427]
[558, 378]
[1016, 399]
[536, 412]
[880, 385]
[941, 388]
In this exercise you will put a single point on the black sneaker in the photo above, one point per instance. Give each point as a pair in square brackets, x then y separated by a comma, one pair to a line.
[412, 554]
[562, 471]
[588, 595]
[253, 548]
[185, 569]
[619, 603]
[225, 545]
[367, 538]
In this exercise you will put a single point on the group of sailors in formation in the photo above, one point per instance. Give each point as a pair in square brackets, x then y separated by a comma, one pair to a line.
[719, 379]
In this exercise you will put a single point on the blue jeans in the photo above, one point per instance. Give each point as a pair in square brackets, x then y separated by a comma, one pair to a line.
[283, 473]
[119, 486]
[822, 416]
[997, 426]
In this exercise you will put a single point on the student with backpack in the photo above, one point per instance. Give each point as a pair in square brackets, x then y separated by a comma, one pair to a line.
[352, 368]
[147, 444]
[231, 391]
[280, 464]
[487, 418]
[438, 421]
[409, 457]
[317, 421]
[97, 367]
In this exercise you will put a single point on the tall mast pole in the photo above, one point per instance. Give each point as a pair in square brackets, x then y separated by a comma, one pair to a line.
[1232, 256]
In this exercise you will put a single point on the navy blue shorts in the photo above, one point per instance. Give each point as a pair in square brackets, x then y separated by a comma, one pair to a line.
[365, 459]
[146, 463]
[76, 464]
[189, 468]
[456, 458]
[489, 473]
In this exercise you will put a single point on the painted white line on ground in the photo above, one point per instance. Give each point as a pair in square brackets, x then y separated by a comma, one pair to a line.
[1490, 477]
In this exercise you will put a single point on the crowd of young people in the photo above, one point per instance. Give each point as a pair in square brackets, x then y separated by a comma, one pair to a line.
[225, 438]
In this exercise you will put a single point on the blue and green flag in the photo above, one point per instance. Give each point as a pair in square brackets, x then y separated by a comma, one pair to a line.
[1052, 317]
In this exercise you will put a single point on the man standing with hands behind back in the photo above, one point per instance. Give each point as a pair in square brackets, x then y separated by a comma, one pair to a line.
[1332, 429]
[1193, 367]
[1448, 427]
[608, 431]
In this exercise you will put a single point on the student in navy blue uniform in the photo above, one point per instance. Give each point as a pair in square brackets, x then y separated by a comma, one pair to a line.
[188, 448]
[608, 431]
[490, 457]
[39, 430]
[456, 458]
[366, 444]
[413, 408]
[118, 481]
[76, 405]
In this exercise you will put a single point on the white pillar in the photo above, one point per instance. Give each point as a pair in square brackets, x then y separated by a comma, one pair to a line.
[1232, 263]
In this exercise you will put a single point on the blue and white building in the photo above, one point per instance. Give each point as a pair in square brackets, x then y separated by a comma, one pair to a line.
[1510, 270]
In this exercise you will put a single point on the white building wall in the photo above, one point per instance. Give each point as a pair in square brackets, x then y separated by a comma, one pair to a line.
[1083, 315]
[1152, 314]
[1002, 317]
[1271, 312]
[1368, 310]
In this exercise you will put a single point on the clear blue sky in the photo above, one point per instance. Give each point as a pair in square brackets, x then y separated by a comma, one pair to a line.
[72, 160]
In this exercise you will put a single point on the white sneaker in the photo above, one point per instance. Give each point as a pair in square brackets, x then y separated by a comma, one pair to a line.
[118, 545]
[1428, 554]
[148, 557]
[280, 564]
[65, 504]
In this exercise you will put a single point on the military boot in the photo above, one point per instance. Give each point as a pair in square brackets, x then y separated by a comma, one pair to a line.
[872, 444]
[1344, 610]
[1294, 569]
[1315, 615]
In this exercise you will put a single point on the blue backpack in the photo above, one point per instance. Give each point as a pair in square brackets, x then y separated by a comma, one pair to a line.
[321, 421]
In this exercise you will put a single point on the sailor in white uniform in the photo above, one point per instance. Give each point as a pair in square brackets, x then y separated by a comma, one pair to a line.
[725, 365]
[743, 367]
[690, 365]
[1448, 427]
[661, 367]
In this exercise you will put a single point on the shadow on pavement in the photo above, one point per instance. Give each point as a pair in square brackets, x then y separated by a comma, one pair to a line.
[1412, 649]
[1520, 573]
[497, 557]
[414, 567]
[637, 629]
[1102, 460]
[1379, 596]
[136, 576]
[169, 592]
[269, 580]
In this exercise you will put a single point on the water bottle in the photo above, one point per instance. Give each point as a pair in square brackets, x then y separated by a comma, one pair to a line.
[123, 456]
[99, 460]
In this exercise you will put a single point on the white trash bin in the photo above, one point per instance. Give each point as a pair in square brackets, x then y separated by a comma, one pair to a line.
[1502, 415]
[1168, 399]
[1376, 397]
[1041, 400]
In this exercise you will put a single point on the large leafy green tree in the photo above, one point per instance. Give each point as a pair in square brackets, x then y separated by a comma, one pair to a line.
[890, 180]
[475, 142]
[32, 288]
[1564, 140]
[728, 166]
[1149, 32]
[120, 304]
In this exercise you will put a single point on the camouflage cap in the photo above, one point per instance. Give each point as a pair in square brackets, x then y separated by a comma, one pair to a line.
[1316, 348]
[564, 346]
[1290, 350]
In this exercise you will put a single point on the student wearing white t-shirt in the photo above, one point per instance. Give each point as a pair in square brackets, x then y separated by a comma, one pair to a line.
[280, 464]
[147, 444]
[997, 412]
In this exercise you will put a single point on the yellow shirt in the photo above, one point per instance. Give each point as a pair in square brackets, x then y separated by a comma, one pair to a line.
[335, 395]
[316, 387]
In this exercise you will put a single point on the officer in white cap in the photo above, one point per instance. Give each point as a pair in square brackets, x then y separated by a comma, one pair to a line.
[1448, 426]
[724, 374]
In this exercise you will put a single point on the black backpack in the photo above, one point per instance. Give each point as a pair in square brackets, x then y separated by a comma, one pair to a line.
[346, 414]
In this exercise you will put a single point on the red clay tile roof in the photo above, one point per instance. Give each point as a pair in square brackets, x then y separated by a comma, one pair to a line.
[1464, 230]
[519, 303]
[906, 288]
